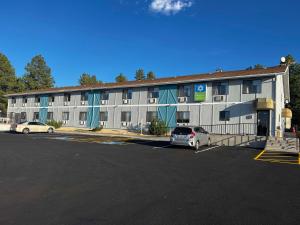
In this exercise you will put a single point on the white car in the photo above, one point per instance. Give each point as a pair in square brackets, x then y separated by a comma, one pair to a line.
[32, 127]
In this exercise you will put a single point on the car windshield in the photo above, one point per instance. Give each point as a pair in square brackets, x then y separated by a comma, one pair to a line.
[182, 130]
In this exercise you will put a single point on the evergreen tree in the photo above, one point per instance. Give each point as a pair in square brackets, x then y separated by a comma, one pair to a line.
[258, 66]
[38, 74]
[151, 76]
[139, 74]
[121, 78]
[87, 79]
[295, 94]
[289, 59]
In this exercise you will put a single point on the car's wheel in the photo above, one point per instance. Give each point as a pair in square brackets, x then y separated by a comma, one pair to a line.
[208, 142]
[197, 145]
[26, 131]
[50, 131]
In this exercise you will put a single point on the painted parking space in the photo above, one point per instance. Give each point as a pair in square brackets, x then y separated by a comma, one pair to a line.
[278, 157]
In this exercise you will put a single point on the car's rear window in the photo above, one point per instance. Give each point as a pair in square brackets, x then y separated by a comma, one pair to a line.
[182, 130]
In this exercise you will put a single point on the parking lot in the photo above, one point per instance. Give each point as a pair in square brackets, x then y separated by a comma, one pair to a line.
[81, 180]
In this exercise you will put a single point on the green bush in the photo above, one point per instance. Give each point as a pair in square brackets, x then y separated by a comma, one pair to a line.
[158, 127]
[55, 124]
[97, 129]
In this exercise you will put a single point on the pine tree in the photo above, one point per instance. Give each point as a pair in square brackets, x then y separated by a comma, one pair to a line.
[139, 74]
[38, 74]
[121, 78]
[151, 76]
[87, 79]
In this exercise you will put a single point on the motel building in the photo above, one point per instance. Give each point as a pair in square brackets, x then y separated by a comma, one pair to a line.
[246, 102]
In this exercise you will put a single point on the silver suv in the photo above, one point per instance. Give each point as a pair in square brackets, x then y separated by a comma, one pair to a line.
[190, 136]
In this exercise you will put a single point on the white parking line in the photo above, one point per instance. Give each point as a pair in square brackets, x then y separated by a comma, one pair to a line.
[204, 150]
[162, 146]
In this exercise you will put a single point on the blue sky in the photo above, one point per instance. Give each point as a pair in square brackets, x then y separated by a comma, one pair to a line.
[106, 37]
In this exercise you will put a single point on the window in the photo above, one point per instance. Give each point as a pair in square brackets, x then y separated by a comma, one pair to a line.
[220, 88]
[103, 116]
[82, 116]
[224, 115]
[67, 97]
[36, 116]
[183, 117]
[24, 100]
[23, 116]
[50, 116]
[83, 97]
[251, 86]
[13, 100]
[151, 116]
[65, 116]
[11, 115]
[51, 98]
[182, 131]
[184, 91]
[126, 116]
[33, 123]
[127, 94]
[104, 95]
[37, 99]
[153, 92]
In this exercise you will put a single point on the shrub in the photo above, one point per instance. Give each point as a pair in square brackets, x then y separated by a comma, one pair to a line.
[55, 124]
[158, 127]
[97, 129]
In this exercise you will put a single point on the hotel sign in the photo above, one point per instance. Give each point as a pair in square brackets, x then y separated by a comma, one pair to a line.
[200, 92]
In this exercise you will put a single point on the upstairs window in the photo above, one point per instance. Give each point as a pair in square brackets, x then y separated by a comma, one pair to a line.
[82, 116]
[184, 91]
[13, 100]
[67, 97]
[153, 92]
[104, 95]
[24, 99]
[251, 86]
[83, 97]
[151, 115]
[103, 116]
[224, 115]
[127, 94]
[126, 117]
[183, 117]
[37, 99]
[51, 98]
[220, 88]
[65, 116]
[50, 116]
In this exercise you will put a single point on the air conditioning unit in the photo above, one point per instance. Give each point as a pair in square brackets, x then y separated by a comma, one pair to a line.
[102, 123]
[66, 103]
[219, 98]
[24, 104]
[152, 100]
[82, 102]
[103, 102]
[182, 99]
[182, 124]
[50, 104]
[124, 124]
[37, 104]
[125, 101]
[82, 122]
[65, 122]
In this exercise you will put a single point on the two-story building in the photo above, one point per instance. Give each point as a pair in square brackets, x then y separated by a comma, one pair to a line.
[233, 102]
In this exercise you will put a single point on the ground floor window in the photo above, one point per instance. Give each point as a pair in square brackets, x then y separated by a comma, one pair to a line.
[50, 116]
[82, 116]
[183, 117]
[126, 116]
[103, 116]
[224, 115]
[151, 115]
[23, 116]
[36, 116]
[65, 116]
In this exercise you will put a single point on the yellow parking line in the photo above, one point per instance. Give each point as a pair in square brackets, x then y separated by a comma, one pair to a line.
[278, 161]
[262, 152]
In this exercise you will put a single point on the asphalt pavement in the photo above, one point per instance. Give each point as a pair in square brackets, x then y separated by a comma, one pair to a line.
[78, 180]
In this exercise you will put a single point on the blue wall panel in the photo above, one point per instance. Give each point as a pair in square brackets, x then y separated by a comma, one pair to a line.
[168, 95]
[94, 109]
[43, 108]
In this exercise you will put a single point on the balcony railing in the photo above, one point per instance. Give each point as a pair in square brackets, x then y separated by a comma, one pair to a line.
[239, 128]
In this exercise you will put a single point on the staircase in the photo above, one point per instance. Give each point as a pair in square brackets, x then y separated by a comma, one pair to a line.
[282, 145]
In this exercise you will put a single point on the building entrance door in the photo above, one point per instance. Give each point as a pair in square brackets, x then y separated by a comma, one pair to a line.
[263, 123]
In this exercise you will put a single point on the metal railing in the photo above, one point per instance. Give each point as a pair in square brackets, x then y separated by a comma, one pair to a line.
[237, 129]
